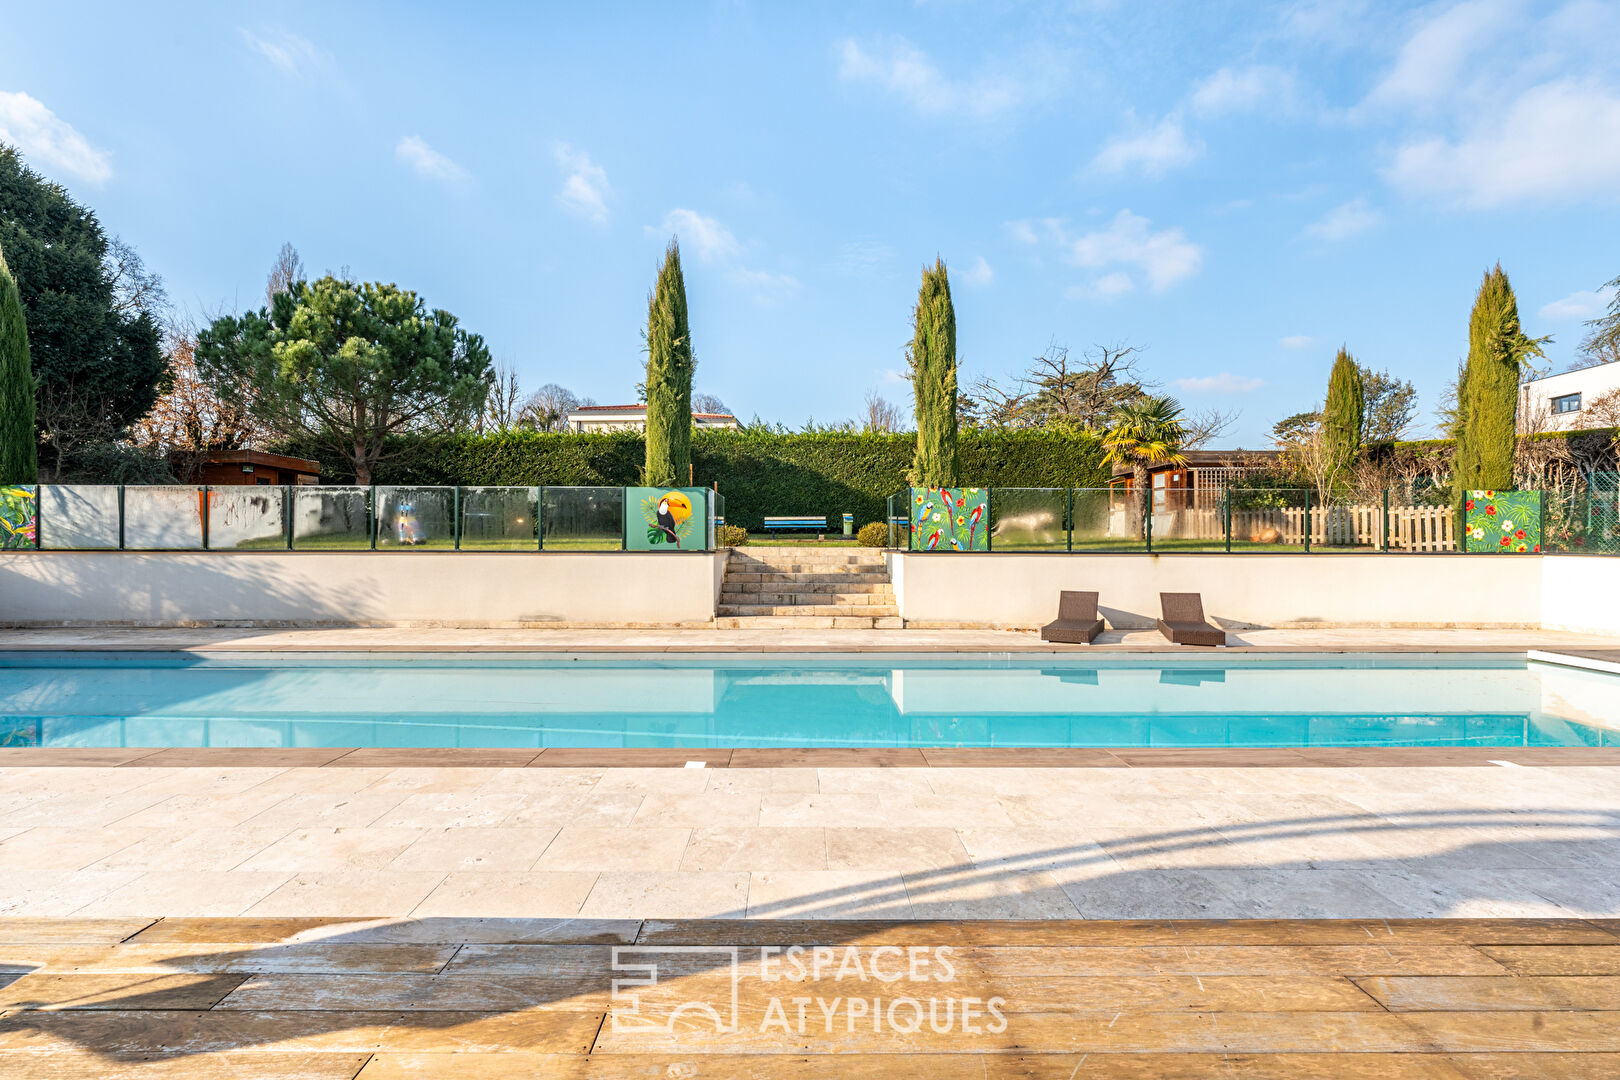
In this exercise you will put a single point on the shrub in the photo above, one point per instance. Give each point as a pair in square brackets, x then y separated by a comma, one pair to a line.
[874, 534]
[731, 536]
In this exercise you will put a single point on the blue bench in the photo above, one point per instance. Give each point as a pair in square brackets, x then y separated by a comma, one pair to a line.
[772, 524]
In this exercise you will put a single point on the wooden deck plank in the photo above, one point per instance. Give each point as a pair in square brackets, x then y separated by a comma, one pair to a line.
[40, 931]
[432, 758]
[309, 958]
[89, 1065]
[218, 757]
[420, 993]
[401, 931]
[828, 757]
[554, 757]
[1422, 993]
[122, 991]
[1556, 959]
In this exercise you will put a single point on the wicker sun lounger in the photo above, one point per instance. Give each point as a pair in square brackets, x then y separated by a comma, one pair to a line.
[1077, 622]
[1184, 623]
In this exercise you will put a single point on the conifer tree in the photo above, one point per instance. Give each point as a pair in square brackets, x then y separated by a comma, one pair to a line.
[933, 380]
[1488, 392]
[1343, 413]
[669, 378]
[19, 462]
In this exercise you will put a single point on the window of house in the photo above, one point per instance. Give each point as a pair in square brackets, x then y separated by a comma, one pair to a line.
[1567, 403]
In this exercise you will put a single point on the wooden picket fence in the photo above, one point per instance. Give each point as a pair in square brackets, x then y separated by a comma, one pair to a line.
[1411, 528]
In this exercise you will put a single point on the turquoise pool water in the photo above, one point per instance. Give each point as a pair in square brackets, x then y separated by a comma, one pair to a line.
[170, 699]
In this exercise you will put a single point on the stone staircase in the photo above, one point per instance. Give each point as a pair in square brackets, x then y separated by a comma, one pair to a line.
[806, 587]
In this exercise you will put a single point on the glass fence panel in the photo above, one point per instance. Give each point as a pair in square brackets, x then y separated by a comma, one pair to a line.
[416, 517]
[78, 517]
[1348, 524]
[331, 518]
[900, 519]
[1266, 519]
[1029, 519]
[582, 518]
[500, 518]
[717, 518]
[163, 517]
[1421, 517]
[1105, 519]
[1188, 518]
[247, 518]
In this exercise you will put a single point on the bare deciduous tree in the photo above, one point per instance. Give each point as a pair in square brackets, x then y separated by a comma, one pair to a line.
[287, 269]
[135, 288]
[1061, 389]
[503, 408]
[547, 408]
[883, 417]
[1204, 426]
[709, 403]
[193, 419]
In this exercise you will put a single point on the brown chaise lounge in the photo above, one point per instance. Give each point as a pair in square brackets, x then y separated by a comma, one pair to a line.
[1077, 622]
[1183, 622]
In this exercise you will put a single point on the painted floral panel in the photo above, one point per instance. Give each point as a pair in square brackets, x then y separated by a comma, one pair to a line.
[17, 518]
[1503, 522]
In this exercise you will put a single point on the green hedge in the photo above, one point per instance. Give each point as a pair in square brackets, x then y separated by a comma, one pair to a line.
[758, 473]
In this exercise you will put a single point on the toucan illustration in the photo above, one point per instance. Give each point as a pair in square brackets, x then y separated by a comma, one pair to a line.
[673, 510]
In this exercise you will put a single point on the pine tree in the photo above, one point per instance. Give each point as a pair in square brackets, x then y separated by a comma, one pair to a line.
[933, 380]
[19, 462]
[669, 378]
[1343, 414]
[1488, 392]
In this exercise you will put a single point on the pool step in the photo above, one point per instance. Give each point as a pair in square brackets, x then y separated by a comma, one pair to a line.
[808, 588]
[808, 622]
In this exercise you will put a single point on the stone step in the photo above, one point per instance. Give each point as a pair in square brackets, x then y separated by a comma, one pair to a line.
[800, 569]
[808, 622]
[796, 585]
[869, 610]
[781, 555]
[802, 599]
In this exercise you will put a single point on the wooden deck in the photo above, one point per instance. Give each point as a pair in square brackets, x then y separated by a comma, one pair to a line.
[493, 998]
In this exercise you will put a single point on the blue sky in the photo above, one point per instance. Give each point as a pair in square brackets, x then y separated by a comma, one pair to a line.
[1238, 188]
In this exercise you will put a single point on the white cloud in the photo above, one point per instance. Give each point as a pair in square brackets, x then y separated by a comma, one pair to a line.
[704, 235]
[864, 258]
[48, 141]
[1297, 341]
[767, 287]
[1578, 305]
[979, 274]
[1153, 152]
[585, 188]
[906, 71]
[1224, 383]
[1232, 90]
[1111, 285]
[428, 162]
[1165, 257]
[1342, 222]
[1435, 57]
[1022, 232]
[289, 52]
[1556, 142]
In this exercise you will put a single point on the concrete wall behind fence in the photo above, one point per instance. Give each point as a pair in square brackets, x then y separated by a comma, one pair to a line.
[1581, 592]
[1239, 590]
[129, 588]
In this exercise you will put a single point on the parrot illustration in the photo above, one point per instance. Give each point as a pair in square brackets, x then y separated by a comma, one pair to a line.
[673, 510]
[973, 523]
[933, 541]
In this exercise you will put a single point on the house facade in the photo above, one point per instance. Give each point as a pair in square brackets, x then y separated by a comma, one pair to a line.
[1570, 400]
[1198, 482]
[634, 418]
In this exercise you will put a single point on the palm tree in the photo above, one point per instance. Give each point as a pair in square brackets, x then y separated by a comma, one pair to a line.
[1141, 434]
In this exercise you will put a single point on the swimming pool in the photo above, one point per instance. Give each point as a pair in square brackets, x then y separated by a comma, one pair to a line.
[435, 700]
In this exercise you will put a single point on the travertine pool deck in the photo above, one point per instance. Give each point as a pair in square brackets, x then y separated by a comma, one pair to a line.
[453, 639]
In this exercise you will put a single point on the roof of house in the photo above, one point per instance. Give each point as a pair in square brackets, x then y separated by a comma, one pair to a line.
[641, 408]
[260, 457]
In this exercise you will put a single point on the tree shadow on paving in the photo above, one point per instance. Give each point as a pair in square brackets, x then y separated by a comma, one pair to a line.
[182, 989]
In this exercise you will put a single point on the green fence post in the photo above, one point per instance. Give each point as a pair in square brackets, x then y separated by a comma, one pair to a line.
[1226, 504]
[373, 518]
[287, 512]
[1307, 521]
[455, 510]
[1147, 520]
[1383, 544]
[39, 505]
[205, 517]
[1068, 521]
[120, 517]
[539, 525]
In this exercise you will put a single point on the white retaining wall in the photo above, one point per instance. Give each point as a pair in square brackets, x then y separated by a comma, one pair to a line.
[80, 588]
[1239, 590]
[1581, 592]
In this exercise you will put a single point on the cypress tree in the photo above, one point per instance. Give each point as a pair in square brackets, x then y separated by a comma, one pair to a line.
[669, 378]
[1488, 391]
[933, 380]
[1343, 412]
[19, 463]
